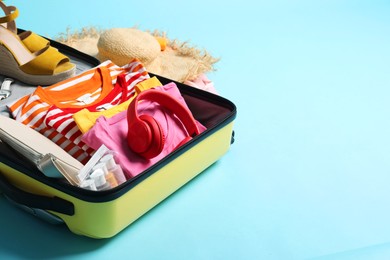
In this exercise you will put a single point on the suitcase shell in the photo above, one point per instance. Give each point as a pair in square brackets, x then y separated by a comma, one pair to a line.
[103, 214]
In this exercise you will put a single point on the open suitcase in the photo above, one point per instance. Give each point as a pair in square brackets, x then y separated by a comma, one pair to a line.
[102, 214]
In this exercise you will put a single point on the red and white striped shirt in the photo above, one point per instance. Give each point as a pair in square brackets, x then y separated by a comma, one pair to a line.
[49, 110]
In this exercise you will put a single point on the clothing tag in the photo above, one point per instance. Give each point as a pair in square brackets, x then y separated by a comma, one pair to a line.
[86, 99]
[104, 107]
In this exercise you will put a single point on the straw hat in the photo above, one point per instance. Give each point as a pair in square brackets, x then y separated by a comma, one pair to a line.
[169, 58]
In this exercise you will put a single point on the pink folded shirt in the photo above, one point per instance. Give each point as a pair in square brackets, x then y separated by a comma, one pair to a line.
[112, 132]
[202, 82]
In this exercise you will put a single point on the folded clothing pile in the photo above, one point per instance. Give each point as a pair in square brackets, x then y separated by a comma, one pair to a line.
[135, 116]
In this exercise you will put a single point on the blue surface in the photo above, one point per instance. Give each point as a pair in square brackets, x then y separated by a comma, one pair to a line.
[308, 175]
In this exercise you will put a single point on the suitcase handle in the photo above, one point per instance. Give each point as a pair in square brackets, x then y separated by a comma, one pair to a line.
[35, 201]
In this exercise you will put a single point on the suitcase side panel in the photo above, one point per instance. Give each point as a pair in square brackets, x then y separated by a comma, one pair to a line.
[116, 215]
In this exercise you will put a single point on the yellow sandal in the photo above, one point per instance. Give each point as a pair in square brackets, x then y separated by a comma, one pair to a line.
[29, 57]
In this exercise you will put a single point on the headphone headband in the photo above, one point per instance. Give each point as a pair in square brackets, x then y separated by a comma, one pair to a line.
[182, 112]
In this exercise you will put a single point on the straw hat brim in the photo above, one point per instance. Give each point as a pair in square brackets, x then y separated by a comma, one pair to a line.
[178, 61]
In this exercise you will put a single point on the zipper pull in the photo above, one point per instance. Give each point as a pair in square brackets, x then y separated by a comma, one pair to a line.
[5, 89]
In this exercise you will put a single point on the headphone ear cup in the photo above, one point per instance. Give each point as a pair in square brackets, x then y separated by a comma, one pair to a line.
[139, 136]
[157, 140]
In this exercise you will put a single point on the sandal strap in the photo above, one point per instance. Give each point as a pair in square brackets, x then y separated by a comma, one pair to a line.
[33, 41]
[45, 62]
[11, 13]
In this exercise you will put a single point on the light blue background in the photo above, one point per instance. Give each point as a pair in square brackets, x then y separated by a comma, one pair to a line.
[308, 175]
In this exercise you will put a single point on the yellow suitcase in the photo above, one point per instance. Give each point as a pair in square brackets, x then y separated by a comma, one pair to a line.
[102, 214]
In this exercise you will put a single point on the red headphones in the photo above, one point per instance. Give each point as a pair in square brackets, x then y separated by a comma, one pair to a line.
[145, 135]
